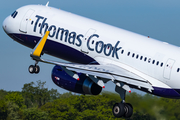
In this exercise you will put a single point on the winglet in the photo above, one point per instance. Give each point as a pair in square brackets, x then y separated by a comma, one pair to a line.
[39, 47]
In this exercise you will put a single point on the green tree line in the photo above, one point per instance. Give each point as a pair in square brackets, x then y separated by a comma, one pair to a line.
[36, 102]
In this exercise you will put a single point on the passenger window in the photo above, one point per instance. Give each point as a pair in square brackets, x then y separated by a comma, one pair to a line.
[137, 56]
[93, 42]
[149, 60]
[32, 22]
[133, 55]
[128, 53]
[145, 58]
[122, 51]
[141, 58]
[157, 63]
[161, 64]
[178, 70]
[153, 61]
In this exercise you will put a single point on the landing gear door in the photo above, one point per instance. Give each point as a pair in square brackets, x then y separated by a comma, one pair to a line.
[25, 20]
[84, 47]
[168, 68]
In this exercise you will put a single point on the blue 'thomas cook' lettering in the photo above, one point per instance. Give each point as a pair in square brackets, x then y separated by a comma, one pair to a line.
[38, 18]
[101, 47]
[76, 39]
[53, 28]
[108, 49]
[94, 35]
[57, 32]
[115, 50]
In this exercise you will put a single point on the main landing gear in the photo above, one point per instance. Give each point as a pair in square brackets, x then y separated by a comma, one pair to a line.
[34, 68]
[122, 109]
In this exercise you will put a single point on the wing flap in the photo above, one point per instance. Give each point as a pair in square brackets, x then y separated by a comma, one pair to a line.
[135, 82]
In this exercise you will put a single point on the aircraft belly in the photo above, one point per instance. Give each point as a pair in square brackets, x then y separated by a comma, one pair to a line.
[166, 92]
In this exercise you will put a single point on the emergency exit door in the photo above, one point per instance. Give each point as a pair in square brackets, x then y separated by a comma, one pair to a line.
[168, 68]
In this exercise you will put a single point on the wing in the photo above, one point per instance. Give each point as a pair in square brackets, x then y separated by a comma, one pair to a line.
[104, 73]
[100, 74]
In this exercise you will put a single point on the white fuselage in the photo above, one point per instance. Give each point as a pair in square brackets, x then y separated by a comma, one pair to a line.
[153, 60]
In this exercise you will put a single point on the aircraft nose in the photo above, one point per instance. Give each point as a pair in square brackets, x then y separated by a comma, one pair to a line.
[5, 25]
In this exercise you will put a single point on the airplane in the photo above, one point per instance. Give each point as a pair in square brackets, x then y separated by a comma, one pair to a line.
[97, 53]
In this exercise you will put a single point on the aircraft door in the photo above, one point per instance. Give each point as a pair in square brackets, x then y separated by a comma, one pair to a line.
[25, 20]
[168, 68]
[84, 47]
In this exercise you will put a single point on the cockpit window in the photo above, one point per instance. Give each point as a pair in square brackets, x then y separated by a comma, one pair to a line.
[14, 14]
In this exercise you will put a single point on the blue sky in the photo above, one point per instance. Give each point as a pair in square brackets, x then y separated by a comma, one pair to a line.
[159, 19]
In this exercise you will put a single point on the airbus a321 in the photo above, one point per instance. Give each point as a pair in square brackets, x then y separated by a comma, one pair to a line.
[97, 52]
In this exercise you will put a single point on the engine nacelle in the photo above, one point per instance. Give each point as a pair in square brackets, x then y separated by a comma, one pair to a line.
[84, 85]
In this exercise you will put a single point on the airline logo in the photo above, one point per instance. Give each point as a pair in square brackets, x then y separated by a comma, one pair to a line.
[76, 39]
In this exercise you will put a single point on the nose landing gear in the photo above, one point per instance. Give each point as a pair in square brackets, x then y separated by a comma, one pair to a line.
[34, 68]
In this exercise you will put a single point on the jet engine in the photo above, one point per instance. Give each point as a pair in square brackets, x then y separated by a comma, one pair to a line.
[83, 84]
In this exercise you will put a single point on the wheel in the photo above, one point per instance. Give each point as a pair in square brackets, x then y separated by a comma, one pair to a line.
[37, 69]
[118, 110]
[31, 69]
[128, 110]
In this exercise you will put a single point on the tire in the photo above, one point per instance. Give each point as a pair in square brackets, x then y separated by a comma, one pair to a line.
[31, 69]
[37, 69]
[128, 110]
[118, 110]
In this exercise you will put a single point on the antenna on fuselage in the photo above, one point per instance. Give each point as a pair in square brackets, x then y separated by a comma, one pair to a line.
[47, 4]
